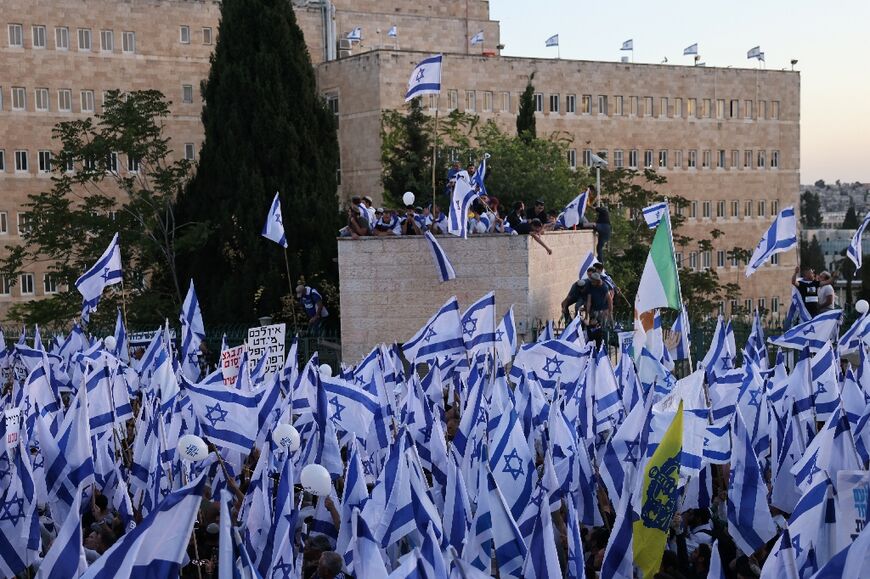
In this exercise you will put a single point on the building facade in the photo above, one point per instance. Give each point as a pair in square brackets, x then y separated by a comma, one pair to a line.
[726, 139]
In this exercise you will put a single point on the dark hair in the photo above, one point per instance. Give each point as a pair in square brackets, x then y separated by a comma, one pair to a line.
[518, 205]
[535, 223]
[356, 199]
[592, 188]
[331, 562]
[101, 501]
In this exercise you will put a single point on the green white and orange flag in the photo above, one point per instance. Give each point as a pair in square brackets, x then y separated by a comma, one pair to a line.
[660, 283]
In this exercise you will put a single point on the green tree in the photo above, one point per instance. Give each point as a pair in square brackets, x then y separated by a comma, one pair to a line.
[812, 254]
[811, 214]
[113, 173]
[820, 184]
[850, 221]
[266, 130]
[526, 129]
[847, 272]
[406, 153]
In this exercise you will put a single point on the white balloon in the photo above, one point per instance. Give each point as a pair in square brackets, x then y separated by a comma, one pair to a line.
[287, 436]
[408, 198]
[110, 342]
[315, 480]
[191, 448]
[326, 370]
[862, 306]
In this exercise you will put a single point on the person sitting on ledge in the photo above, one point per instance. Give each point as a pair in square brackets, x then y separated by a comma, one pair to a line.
[388, 224]
[409, 224]
[534, 228]
[436, 222]
[357, 224]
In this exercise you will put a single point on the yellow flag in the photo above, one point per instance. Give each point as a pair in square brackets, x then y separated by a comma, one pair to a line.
[658, 499]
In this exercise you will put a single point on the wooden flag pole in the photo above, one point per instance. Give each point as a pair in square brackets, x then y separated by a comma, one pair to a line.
[434, 150]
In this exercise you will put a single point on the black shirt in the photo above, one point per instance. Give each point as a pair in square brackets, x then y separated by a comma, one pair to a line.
[598, 294]
[809, 290]
[532, 214]
[578, 292]
[603, 215]
[514, 219]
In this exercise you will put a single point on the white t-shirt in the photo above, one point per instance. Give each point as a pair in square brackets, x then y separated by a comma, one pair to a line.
[826, 292]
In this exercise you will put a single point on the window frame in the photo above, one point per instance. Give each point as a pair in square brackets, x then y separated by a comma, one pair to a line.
[27, 289]
[61, 32]
[16, 41]
[128, 42]
[107, 40]
[184, 34]
[33, 36]
[85, 34]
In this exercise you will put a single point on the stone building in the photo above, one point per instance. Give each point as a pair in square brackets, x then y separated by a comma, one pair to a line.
[727, 139]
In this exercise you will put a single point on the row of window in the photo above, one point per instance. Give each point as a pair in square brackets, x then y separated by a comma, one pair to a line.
[701, 260]
[748, 304]
[21, 161]
[673, 159]
[729, 209]
[617, 106]
[64, 101]
[27, 285]
[84, 37]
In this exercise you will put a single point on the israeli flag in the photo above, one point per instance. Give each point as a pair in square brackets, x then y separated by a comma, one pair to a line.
[478, 324]
[780, 237]
[355, 34]
[654, 213]
[192, 334]
[463, 195]
[107, 271]
[573, 213]
[552, 41]
[440, 336]
[477, 39]
[814, 334]
[628, 44]
[274, 227]
[690, 50]
[797, 310]
[393, 33]
[479, 176]
[442, 263]
[853, 252]
[680, 330]
[506, 337]
[426, 78]
[754, 52]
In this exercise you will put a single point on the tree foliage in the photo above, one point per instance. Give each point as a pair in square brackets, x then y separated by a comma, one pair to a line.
[112, 173]
[526, 129]
[811, 209]
[850, 221]
[266, 130]
[812, 254]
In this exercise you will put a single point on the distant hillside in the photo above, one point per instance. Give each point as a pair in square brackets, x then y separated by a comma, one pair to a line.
[836, 197]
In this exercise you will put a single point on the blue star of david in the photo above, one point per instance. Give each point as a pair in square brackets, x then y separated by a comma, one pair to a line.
[477, 451]
[6, 510]
[726, 359]
[706, 442]
[481, 417]
[359, 380]
[5, 466]
[430, 333]
[808, 330]
[517, 471]
[498, 335]
[339, 407]
[282, 570]
[469, 326]
[192, 357]
[38, 461]
[538, 498]
[630, 447]
[277, 217]
[753, 398]
[190, 449]
[556, 366]
[420, 74]
[105, 274]
[820, 388]
[796, 545]
[426, 431]
[215, 414]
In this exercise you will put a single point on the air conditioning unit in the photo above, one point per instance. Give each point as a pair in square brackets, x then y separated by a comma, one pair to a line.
[344, 44]
[344, 53]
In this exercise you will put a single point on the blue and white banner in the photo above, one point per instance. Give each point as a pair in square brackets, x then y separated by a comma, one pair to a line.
[854, 251]
[653, 214]
[780, 237]
[426, 78]
[106, 272]
[273, 229]
[442, 262]
[552, 41]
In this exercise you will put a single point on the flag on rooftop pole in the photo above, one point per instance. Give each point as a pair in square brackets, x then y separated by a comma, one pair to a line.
[854, 252]
[660, 282]
[754, 52]
[552, 41]
[442, 263]
[425, 78]
[274, 227]
[653, 214]
[107, 271]
[394, 32]
[658, 498]
[628, 44]
[691, 50]
[781, 236]
[355, 34]
[477, 38]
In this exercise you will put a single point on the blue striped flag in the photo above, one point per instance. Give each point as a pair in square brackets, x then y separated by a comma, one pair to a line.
[442, 262]
[460, 202]
[854, 251]
[797, 310]
[66, 557]
[440, 336]
[573, 213]
[812, 334]
[273, 229]
[192, 334]
[228, 417]
[653, 214]
[105, 272]
[426, 78]
[680, 333]
[780, 237]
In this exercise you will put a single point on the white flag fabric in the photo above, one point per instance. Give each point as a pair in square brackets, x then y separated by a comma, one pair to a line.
[573, 213]
[394, 32]
[653, 214]
[552, 41]
[274, 227]
[426, 78]
[355, 34]
[754, 52]
[628, 44]
[107, 271]
[477, 38]
[441, 336]
[442, 262]
[854, 251]
[780, 237]
[690, 50]
[463, 195]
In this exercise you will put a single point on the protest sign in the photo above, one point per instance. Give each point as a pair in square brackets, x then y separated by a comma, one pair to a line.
[853, 498]
[231, 361]
[267, 341]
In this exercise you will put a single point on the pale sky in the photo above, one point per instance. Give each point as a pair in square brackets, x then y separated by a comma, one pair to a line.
[829, 39]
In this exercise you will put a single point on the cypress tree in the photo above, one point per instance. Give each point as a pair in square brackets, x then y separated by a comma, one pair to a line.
[266, 130]
[526, 114]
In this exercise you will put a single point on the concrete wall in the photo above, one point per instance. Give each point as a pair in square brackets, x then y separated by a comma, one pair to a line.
[389, 287]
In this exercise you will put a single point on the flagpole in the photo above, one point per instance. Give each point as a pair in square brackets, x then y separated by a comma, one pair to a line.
[124, 313]
[435, 148]
[290, 285]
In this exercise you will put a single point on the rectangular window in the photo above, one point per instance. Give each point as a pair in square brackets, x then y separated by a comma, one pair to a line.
[663, 107]
[2, 160]
[21, 164]
[706, 108]
[487, 101]
[720, 259]
[68, 165]
[602, 104]
[189, 151]
[587, 157]
[184, 34]
[747, 109]
[762, 159]
[705, 208]
[87, 101]
[774, 159]
[470, 100]
[107, 40]
[735, 159]
[506, 102]
[64, 100]
[747, 159]
[586, 104]
[734, 261]
[61, 38]
[618, 158]
[206, 35]
[734, 110]
[554, 103]
[693, 260]
[692, 108]
[633, 110]
[27, 284]
[774, 304]
[49, 284]
[774, 207]
[774, 259]
[747, 209]
[132, 164]
[705, 259]
[112, 162]
[45, 161]
[747, 305]
[678, 257]
[4, 223]
[762, 110]
[735, 209]
[5, 286]
[720, 209]
[187, 94]
[41, 99]
[705, 160]
[678, 108]
[84, 38]
[678, 159]
[618, 109]
[38, 32]
[23, 224]
[762, 208]
[452, 100]
[693, 209]
[632, 159]
[16, 36]
[19, 98]
[648, 107]
[693, 159]
[663, 159]
[539, 102]
[128, 42]
[720, 108]
[774, 109]
[571, 104]
[720, 159]
[572, 158]
[648, 159]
